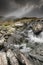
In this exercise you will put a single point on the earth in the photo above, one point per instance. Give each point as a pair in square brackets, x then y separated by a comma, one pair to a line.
[21, 42]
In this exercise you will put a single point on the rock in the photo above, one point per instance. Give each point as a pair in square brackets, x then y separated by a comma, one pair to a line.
[37, 28]
[2, 32]
[2, 41]
[37, 55]
[25, 49]
[0, 35]
[12, 58]
[18, 24]
[3, 59]
[22, 59]
[11, 30]
[27, 62]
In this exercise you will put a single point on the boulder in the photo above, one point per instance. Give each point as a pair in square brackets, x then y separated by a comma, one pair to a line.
[3, 58]
[12, 58]
[37, 28]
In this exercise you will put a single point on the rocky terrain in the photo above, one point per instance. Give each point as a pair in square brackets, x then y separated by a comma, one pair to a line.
[21, 42]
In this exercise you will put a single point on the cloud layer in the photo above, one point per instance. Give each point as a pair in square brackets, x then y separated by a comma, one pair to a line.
[7, 6]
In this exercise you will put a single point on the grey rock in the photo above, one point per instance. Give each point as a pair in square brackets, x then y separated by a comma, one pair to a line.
[12, 58]
[3, 58]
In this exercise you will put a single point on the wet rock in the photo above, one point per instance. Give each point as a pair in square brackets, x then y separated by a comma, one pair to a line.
[37, 53]
[18, 24]
[22, 59]
[25, 49]
[11, 30]
[2, 32]
[27, 62]
[37, 28]
[15, 39]
[3, 59]
[2, 41]
[7, 35]
[12, 58]
[0, 35]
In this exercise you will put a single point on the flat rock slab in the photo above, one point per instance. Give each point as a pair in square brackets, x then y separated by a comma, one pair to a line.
[3, 59]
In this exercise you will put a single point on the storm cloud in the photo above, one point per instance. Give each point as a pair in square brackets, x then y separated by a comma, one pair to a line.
[32, 2]
[12, 6]
[36, 11]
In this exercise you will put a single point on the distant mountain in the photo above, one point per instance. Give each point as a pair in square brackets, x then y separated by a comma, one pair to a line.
[10, 18]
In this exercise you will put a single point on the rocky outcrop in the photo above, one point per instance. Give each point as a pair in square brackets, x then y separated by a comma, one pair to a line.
[3, 58]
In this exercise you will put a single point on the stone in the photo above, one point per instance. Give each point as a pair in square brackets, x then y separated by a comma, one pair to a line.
[2, 41]
[18, 24]
[23, 59]
[37, 28]
[12, 58]
[3, 58]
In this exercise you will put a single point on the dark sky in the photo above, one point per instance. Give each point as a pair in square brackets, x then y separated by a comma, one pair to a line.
[20, 8]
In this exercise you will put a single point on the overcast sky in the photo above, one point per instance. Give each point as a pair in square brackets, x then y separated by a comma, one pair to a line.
[21, 8]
